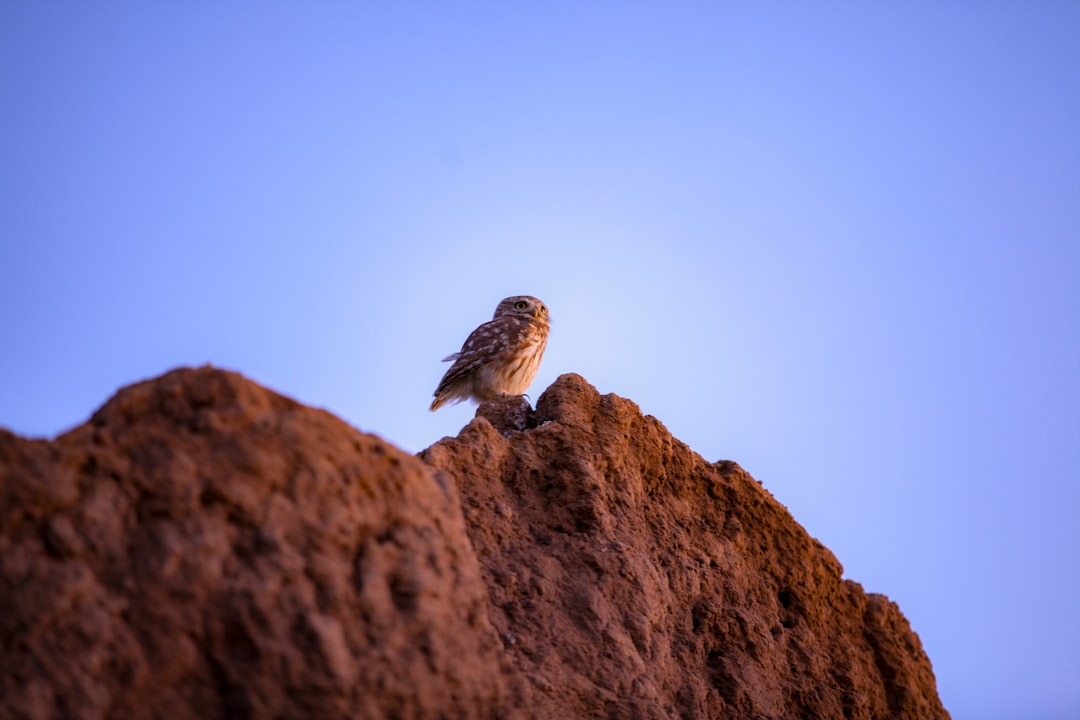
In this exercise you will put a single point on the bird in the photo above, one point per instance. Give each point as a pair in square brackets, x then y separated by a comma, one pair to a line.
[500, 357]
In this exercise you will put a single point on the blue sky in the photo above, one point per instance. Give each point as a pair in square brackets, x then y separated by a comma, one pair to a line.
[838, 244]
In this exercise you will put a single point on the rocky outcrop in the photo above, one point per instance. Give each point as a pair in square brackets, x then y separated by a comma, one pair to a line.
[204, 547]
[628, 577]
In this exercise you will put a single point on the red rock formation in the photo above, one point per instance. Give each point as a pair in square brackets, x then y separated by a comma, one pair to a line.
[203, 547]
[628, 577]
[206, 548]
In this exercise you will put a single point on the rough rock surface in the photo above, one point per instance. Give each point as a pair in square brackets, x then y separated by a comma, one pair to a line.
[630, 578]
[204, 547]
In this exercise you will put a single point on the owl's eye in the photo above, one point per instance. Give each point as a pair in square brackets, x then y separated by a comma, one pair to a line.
[521, 305]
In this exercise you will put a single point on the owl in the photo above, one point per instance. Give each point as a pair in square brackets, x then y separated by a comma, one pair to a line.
[500, 357]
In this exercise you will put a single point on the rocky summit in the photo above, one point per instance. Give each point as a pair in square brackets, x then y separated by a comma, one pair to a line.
[203, 547]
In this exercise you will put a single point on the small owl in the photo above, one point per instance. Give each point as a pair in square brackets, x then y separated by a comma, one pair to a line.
[500, 357]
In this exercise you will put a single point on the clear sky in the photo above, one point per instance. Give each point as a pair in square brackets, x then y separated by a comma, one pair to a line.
[838, 243]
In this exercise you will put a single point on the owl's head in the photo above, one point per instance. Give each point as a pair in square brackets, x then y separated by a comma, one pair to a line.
[525, 305]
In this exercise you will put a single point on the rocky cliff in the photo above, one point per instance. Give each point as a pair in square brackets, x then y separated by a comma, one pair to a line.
[206, 548]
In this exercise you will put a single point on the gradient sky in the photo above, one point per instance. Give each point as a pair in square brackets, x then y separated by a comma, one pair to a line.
[838, 243]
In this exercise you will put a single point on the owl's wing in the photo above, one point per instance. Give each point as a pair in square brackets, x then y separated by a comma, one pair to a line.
[481, 347]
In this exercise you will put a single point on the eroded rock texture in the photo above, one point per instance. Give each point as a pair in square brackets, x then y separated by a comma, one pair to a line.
[204, 547]
[628, 577]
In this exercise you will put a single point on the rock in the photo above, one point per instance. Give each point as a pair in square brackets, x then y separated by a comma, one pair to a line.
[638, 580]
[204, 547]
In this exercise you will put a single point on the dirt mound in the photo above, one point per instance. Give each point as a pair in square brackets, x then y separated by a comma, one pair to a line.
[204, 547]
[628, 577]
